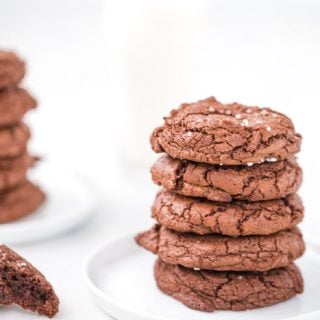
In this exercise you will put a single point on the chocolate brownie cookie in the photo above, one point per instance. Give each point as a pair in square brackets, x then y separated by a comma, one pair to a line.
[24, 285]
[13, 140]
[225, 183]
[230, 134]
[12, 69]
[213, 290]
[14, 103]
[238, 218]
[20, 202]
[217, 252]
[13, 171]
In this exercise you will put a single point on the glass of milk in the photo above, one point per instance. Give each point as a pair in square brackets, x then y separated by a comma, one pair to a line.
[153, 51]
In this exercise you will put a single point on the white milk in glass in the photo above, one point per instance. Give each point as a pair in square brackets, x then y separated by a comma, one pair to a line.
[153, 52]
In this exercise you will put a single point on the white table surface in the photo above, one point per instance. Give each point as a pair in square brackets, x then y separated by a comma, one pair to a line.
[77, 126]
[61, 260]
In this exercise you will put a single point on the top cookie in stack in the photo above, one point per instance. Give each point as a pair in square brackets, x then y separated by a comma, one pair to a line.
[229, 204]
[227, 134]
[18, 196]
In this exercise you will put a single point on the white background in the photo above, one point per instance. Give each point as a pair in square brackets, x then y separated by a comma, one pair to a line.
[105, 72]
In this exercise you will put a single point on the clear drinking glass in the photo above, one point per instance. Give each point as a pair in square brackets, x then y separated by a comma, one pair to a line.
[153, 51]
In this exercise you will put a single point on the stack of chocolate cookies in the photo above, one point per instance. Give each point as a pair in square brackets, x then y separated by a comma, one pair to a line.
[226, 235]
[18, 196]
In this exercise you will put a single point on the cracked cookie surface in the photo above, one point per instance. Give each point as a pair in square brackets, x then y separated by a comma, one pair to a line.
[20, 201]
[14, 103]
[229, 134]
[12, 69]
[224, 183]
[213, 290]
[217, 252]
[13, 140]
[238, 218]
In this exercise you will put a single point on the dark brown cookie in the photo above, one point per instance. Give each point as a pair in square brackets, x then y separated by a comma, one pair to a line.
[14, 103]
[238, 218]
[12, 69]
[20, 202]
[13, 171]
[213, 290]
[217, 252]
[224, 183]
[13, 140]
[24, 285]
[230, 134]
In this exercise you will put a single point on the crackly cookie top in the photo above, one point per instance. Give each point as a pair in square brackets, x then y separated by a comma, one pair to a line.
[213, 290]
[218, 252]
[258, 182]
[211, 132]
[238, 218]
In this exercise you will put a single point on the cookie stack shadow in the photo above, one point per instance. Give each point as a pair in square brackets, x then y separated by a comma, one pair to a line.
[18, 196]
[227, 214]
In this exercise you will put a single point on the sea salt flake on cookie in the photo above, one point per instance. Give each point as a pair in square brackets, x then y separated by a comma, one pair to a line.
[271, 159]
[245, 122]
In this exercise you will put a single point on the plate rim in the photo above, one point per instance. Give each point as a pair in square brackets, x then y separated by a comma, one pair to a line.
[114, 303]
[102, 295]
[86, 213]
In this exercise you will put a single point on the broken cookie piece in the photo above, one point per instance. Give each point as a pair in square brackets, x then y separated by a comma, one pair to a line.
[24, 285]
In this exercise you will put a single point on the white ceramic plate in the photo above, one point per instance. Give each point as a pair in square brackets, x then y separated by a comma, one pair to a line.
[70, 202]
[120, 277]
